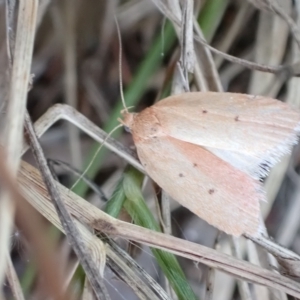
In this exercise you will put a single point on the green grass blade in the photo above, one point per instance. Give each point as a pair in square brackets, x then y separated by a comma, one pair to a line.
[114, 205]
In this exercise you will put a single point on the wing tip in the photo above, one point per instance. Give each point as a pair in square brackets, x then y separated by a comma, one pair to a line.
[273, 156]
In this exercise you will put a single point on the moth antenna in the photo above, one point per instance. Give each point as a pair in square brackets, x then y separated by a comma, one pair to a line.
[94, 157]
[120, 64]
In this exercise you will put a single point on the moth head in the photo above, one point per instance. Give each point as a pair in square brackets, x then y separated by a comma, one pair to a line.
[127, 120]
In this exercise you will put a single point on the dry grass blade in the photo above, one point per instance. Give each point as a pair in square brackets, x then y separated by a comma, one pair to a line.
[166, 213]
[10, 28]
[211, 275]
[95, 247]
[20, 78]
[129, 276]
[70, 81]
[129, 264]
[36, 194]
[243, 286]
[253, 257]
[187, 39]
[287, 259]
[271, 41]
[184, 64]
[205, 71]
[70, 228]
[207, 61]
[20, 75]
[210, 278]
[34, 230]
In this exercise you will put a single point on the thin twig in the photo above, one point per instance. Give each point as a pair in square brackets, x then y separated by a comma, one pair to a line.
[71, 231]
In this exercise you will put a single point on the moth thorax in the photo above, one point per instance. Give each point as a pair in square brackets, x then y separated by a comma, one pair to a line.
[146, 125]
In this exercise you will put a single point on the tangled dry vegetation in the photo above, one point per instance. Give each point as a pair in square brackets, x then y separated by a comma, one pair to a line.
[125, 238]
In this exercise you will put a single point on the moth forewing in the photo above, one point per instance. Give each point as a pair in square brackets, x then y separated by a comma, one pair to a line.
[208, 186]
[246, 131]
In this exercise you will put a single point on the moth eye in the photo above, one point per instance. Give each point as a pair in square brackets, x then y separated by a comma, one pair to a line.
[127, 129]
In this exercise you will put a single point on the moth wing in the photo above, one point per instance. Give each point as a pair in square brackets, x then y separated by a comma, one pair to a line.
[244, 130]
[208, 186]
[256, 167]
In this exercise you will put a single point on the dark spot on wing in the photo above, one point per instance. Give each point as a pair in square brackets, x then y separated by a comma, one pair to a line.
[181, 175]
[195, 165]
[153, 129]
[204, 111]
[236, 118]
[211, 191]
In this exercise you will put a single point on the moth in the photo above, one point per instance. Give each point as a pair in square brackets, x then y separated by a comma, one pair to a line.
[208, 151]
